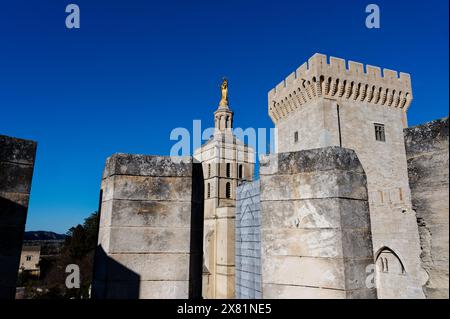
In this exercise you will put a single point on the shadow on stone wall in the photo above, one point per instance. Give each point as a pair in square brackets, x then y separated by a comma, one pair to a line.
[112, 279]
[12, 223]
[16, 172]
[196, 244]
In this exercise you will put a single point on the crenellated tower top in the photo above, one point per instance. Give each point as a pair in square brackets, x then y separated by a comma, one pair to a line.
[319, 78]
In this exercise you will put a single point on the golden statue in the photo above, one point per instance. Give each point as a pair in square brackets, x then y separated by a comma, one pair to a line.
[224, 87]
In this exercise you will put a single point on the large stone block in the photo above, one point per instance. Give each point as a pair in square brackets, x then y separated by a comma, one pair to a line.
[151, 225]
[153, 213]
[273, 291]
[149, 240]
[16, 171]
[294, 270]
[316, 230]
[149, 266]
[144, 165]
[150, 188]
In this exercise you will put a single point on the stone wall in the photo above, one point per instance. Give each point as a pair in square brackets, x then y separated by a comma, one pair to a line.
[248, 241]
[427, 153]
[150, 234]
[17, 158]
[315, 225]
[323, 104]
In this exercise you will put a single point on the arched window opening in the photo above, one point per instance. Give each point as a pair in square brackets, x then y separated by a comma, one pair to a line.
[389, 261]
[228, 190]
[241, 169]
[228, 170]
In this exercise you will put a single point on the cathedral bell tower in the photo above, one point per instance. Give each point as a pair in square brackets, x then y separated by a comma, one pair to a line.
[226, 161]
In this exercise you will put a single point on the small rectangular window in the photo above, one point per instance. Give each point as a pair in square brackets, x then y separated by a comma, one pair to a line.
[296, 136]
[379, 132]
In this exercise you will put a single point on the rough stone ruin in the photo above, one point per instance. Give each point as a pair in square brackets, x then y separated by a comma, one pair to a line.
[427, 153]
[17, 158]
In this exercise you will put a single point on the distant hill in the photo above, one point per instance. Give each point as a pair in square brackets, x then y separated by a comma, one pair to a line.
[50, 242]
[42, 235]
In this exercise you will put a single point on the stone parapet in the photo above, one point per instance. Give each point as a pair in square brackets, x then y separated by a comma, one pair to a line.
[151, 223]
[315, 225]
[333, 79]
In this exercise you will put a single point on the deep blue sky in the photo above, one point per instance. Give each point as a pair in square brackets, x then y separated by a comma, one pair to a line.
[137, 69]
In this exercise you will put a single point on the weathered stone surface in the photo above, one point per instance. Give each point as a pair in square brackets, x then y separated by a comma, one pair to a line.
[282, 187]
[16, 150]
[151, 225]
[149, 266]
[316, 272]
[14, 177]
[16, 171]
[319, 160]
[149, 240]
[146, 165]
[427, 154]
[315, 226]
[272, 291]
[428, 137]
[154, 213]
[315, 213]
[150, 188]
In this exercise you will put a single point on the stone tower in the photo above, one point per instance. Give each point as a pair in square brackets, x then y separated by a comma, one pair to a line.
[325, 103]
[226, 161]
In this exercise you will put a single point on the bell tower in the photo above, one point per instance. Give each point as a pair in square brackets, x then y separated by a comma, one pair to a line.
[226, 161]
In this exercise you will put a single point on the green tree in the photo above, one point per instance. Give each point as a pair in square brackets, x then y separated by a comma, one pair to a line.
[79, 248]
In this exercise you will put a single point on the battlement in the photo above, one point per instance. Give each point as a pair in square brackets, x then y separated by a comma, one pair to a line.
[333, 79]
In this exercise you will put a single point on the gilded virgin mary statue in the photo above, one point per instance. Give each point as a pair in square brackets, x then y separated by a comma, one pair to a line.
[224, 88]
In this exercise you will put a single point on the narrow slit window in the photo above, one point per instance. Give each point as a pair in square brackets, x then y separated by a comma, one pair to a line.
[209, 190]
[296, 137]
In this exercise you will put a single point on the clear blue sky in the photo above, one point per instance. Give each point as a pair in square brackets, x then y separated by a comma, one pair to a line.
[137, 69]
